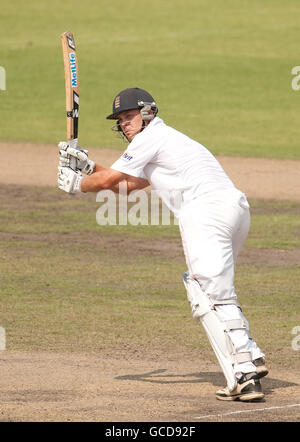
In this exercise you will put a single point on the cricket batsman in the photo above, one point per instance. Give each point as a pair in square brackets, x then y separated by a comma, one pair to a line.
[213, 217]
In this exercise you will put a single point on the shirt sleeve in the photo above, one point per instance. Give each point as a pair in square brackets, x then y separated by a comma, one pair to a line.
[139, 153]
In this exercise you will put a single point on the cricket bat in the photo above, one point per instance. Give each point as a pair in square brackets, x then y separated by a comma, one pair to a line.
[72, 90]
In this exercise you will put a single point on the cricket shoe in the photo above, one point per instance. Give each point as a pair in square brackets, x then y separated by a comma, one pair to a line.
[261, 369]
[248, 389]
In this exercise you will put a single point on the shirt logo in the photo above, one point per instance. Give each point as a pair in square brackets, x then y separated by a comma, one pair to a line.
[126, 157]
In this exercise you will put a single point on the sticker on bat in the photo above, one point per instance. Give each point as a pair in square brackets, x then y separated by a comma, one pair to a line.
[74, 113]
[73, 67]
[71, 43]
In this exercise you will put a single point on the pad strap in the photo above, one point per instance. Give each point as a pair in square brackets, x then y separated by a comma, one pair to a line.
[237, 324]
[234, 324]
[239, 358]
[228, 301]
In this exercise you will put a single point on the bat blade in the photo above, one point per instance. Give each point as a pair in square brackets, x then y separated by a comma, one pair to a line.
[72, 89]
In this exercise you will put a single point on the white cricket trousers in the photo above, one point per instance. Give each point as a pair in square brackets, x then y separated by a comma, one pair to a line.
[213, 230]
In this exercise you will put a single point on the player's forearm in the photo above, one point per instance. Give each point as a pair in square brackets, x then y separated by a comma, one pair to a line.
[103, 178]
[98, 180]
[98, 168]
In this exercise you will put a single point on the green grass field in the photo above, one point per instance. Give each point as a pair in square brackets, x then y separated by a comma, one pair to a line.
[69, 284]
[221, 72]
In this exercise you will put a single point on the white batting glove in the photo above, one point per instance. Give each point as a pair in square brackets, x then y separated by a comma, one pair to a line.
[69, 180]
[83, 163]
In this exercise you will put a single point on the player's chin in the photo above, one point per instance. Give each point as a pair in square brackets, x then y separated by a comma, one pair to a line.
[129, 136]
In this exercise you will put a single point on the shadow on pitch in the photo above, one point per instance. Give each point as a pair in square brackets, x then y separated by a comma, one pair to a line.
[215, 378]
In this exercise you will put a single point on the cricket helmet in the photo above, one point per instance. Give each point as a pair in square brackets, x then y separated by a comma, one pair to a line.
[132, 98]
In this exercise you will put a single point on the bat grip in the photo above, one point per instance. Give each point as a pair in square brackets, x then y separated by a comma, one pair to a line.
[73, 161]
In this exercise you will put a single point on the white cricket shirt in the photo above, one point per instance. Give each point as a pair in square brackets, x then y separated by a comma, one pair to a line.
[178, 168]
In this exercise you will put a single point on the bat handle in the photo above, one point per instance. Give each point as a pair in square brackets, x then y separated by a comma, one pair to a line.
[73, 162]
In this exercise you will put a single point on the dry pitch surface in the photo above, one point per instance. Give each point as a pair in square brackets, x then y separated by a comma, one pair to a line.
[132, 386]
